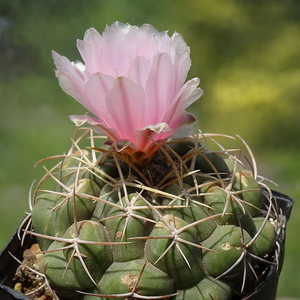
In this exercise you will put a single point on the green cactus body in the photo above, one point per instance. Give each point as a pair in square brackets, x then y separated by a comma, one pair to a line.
[170, 251]
[43, 217]
[233, 209]
[180, 149]
[211, 163]
[207, 289]
[70, 207]
[264, 243]
[70, 166]
[190, 210]
[252, 195]
[179, 226]
[136, 276]
[227, 241]
[55, 266]
[126, 223]
[109, 194]
[95, 258]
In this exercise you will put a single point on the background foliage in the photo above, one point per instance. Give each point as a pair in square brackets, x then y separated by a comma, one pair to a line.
[245, 52]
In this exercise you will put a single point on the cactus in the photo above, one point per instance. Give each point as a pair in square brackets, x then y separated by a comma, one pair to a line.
[147, 211]
[197, 226]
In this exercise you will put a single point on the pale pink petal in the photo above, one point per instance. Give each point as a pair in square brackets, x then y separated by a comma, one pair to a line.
[92, 50]
[149, 30]
[183, 67]
[96, 89]
[144, 137]
[179, 47]
[73, 83]
[139, 41]
[190, 92]
[149, 45]
[71, 87]
[116, 44]
[139, 70]
[187, 95]
[182, 120]
[157, 128]
[102, 129]
[159, 90]
[71, 79]
[98, 126]
[125, 102]
[64, 65]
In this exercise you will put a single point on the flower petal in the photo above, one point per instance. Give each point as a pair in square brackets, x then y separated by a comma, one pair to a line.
[92, 50]
[71, 80]
[139, 70]
[157, 128]
[96, 90]
[180, 53]
[125, 103]
[98, 126]
[159, 92]
[187, 95]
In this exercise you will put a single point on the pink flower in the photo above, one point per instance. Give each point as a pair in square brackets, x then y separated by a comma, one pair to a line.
[132, 81]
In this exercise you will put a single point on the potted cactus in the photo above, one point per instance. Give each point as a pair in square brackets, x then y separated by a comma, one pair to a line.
[141, 208]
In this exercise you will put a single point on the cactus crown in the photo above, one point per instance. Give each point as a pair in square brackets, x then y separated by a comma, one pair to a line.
[189, 223]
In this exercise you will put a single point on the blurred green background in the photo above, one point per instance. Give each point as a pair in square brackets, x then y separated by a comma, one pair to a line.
[245, 52]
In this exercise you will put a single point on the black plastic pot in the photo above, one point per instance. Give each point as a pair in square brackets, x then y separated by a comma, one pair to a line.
[8, 266]
[266, 290]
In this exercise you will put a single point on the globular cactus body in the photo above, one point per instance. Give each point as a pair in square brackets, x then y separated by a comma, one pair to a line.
[195, 226]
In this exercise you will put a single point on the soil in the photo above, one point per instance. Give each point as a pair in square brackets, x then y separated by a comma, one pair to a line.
[29, 282]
